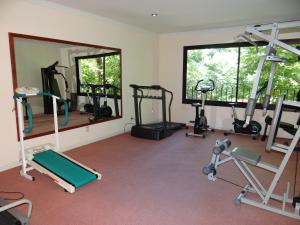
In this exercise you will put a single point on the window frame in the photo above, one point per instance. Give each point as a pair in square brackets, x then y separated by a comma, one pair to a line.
[223, 45]
[103, 55]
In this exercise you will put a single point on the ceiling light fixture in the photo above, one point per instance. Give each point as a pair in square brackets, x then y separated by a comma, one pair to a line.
[154, 14]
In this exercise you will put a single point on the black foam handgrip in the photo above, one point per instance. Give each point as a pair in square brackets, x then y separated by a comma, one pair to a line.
[66, 84]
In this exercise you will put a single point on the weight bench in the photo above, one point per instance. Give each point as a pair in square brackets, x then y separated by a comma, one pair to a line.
[242, 158]
[246, 155]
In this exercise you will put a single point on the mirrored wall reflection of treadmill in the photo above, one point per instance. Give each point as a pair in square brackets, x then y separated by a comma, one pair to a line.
[154, 131]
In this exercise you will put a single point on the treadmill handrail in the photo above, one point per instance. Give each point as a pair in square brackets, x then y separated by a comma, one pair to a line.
[154, 87]
[140, 108]
[141, 96]
[170, 103]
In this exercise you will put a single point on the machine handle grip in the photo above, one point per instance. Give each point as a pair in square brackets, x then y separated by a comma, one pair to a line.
[196, 87]
[212, 86]
[30, 123]
[66, 82]
[221, 145]
[40, 93]
[44, 94]
[66, 117]
[55, 64]
[17, 95]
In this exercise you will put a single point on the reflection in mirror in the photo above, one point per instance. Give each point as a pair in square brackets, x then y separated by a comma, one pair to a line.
[88, 77]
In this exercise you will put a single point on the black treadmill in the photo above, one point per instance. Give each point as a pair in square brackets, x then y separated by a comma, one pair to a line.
[153, 131]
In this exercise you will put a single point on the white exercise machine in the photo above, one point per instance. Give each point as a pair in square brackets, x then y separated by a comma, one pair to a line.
[268, 33]
[242, 158]
[46, 158]
[9, 215]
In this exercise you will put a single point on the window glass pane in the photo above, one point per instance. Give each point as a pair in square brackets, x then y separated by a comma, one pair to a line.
[286, 79]
[113, 71]
[287, 76]
[219, 65]
[90, 72]
[100, 70]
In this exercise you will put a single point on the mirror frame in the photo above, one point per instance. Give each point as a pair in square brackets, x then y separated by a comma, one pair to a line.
[11, 37]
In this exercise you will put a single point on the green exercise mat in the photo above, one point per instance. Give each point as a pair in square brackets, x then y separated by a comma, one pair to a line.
[64, 168]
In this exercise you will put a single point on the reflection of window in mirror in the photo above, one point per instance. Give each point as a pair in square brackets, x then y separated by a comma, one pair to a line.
[99, 69]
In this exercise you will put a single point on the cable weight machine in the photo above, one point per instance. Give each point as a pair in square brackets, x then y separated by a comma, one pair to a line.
[256, 192]
[269, 33]
[50, 85]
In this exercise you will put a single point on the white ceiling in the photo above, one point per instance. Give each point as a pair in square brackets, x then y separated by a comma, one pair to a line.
[188, 15]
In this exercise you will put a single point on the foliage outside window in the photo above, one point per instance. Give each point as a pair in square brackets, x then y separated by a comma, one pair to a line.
[98, 69]
[232, 67]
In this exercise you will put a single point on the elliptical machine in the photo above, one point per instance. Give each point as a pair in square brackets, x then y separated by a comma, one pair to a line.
[253, 128]
[104, 111]
[200, 123]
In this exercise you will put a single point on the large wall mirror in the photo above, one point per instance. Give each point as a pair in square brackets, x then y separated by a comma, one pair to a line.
[88, 77]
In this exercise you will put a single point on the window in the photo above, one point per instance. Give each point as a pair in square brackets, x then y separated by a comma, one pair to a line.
[100, 70]
[232, 67]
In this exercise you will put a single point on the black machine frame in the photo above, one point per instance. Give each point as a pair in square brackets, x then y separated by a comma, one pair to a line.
[98, 113]
[48, 75]
[154, 131]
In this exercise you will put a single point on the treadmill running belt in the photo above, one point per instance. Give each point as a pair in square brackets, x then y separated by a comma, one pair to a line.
[64, 168]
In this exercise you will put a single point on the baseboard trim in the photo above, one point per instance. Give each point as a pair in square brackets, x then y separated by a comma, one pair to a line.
[67, 148]
[9, 166]
[70, 147]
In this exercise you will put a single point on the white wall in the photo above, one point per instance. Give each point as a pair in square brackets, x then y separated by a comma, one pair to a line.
[171, 72]
[139, 65]
[30, 57]
[140, 61]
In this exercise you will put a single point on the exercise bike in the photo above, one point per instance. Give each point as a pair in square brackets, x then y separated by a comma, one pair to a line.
[200, 123]
[253, 128]
[103, 111]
